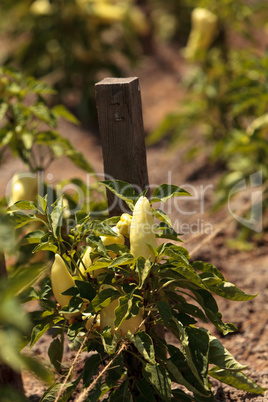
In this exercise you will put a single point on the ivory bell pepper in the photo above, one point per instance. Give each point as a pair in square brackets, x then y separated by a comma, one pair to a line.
[203, 32]
[107, 240]
[107, 317]
[61, 280]
[142, 230]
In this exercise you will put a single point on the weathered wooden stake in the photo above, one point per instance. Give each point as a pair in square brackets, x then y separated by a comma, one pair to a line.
[119, 109]
[123, 144]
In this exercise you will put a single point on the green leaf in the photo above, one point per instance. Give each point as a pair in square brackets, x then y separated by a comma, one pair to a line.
[198, 344]
[166, 191]
[42, 203]
[145, 390]
[6, 138]
[194, 346]
[104, 298]
[21, 219]
[33, 237]
[221, 357]
[9, 394]
[145, 346]
[23, 205]
[27, 140]
[163, 231]
[181, 396]
[100, 228]
[55, 353]
[116, 372]
[99, 264]
[187, 272]
[165, 311]
[60, 110]
[159, 378]
[56, 217]
[39, 87]
[42, 112]
[109, 341]
[36, 367]
[206, 267]
[51, 392]
[123, 309]
[224, 289]
[86, 290]
[191, 309]
[180, 372]
[38, 331]
[209, 304]
[162, 216]
[75, 305]
[78, 159]
[26, 276]
[122, 190]
[3, 109]
[91, 368]
[122, 394]
[144, 268]
[46, 246]
[236, 379]
[7, 233]
[125, 259]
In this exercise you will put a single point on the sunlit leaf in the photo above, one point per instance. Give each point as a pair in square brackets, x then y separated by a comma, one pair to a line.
[236, 379]
[164, 192]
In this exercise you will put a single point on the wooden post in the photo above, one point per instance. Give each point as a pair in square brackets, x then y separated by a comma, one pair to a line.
[119, 109]
[120, 118]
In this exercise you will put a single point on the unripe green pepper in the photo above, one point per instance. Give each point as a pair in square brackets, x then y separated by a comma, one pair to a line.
[107, 240]
[61, 280]
[142, 230]
[203, 32]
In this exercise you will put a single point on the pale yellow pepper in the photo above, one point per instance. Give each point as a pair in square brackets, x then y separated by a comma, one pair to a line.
[61, 280]
[24, 187]
[107, 240]
[203, 32]
[107, 317]
[142, 230]
[124, 223]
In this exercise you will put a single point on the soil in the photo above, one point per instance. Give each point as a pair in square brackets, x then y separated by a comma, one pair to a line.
[160, 79]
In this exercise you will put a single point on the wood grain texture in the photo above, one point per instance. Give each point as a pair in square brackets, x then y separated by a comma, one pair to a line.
[120, 119]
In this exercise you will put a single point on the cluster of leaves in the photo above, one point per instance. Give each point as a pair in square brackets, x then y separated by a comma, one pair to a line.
[29, 124]
[220, 104]
[15, 327]
[176, 295]
[73, 42]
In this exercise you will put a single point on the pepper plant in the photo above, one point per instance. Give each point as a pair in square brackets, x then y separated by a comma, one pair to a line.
[115, 300]
[72, 43]
[219, 108]
[29, 124]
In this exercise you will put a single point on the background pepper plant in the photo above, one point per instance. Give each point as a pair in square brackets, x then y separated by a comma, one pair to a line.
[29, 131]
[29, 123]
[225, 102]
[165, 288]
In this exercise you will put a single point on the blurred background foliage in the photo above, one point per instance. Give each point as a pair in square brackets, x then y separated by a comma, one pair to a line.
[72, 44]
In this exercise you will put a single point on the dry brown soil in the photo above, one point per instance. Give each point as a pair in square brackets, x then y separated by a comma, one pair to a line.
[160, 88]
